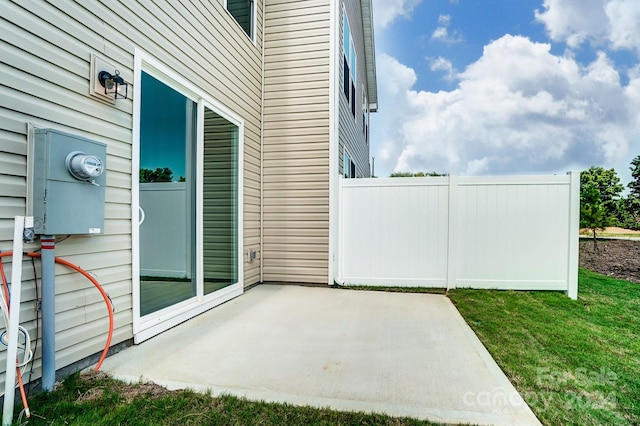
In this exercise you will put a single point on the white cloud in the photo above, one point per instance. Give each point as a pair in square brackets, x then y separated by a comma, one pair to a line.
[602, 70]
[443, 64]
[444, 20]
[611, 23]
[398, 76]
[624, 20]
[573, 21]
[442, 32]
[386, 11]
[518, 109]
[393, 89]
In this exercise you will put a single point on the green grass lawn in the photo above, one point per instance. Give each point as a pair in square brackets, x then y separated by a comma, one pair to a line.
[95, 399]
[574, 362]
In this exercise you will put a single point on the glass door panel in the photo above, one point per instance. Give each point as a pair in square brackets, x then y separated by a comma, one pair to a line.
[220, 202]
[167, 196]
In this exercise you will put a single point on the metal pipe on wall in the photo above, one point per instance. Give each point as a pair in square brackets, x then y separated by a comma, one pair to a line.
[48, 245]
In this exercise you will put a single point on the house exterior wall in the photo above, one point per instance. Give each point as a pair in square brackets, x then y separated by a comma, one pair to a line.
[302, 53]
[284, 91]
[351, 133]
[45, 56]
[296, 141]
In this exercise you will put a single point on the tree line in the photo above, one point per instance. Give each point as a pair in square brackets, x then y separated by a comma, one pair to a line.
[418, 174]
[602, 202]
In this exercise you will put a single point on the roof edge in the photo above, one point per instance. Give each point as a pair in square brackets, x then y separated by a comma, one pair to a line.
[369, 53]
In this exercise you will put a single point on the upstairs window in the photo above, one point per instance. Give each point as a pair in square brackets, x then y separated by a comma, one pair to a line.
[348, 166]
[244, 13]
[350, 61]
[353, 61]
[346, 80]
[365, 115]
[353, 100]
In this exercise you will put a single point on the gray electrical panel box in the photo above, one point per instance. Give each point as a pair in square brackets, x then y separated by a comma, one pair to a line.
[68, 181]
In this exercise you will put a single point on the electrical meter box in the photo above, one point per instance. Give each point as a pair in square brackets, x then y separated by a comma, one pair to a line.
[68, 181]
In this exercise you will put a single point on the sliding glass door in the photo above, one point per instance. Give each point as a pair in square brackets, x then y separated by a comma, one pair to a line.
[188, 195]
[167, 196]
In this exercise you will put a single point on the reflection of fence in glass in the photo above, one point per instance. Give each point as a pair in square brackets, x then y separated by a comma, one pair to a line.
[164, 235]
[517, 232]
[167, 196]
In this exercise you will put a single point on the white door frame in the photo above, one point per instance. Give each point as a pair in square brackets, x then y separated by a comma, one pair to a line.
[157, 322]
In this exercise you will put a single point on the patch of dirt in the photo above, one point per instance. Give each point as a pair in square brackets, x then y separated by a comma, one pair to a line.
[100, 384]
[613, 258]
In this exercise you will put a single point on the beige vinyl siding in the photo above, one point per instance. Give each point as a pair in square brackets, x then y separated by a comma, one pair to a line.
[350, 128]
[296, 141]
[219, 212]
[45, 53]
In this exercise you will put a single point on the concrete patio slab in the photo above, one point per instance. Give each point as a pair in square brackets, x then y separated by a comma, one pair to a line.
[403, 354]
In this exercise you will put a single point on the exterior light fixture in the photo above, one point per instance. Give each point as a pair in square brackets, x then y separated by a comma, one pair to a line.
[113, 84]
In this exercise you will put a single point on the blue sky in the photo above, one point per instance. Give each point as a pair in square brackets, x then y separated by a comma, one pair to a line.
[481, 87]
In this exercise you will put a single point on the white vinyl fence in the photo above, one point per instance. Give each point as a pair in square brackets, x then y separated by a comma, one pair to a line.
[163, 218]
[508, 232]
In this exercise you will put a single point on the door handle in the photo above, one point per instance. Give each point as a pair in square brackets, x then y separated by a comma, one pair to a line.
[142, 216]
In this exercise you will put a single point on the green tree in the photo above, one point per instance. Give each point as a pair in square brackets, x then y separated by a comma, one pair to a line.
[593, 214]
[418, 174]
[632, 203]
[158, 175]
[401, 174]
[634, 185]
[600, 191]
[606, 182]
[628, 212]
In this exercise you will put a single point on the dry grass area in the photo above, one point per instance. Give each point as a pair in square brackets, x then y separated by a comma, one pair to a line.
[611, 231]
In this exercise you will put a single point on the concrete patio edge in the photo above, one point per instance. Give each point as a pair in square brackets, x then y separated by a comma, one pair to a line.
[402, 354]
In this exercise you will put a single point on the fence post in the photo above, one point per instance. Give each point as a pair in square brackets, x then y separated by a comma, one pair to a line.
[338, 257]
[452, 233]
[574, 230]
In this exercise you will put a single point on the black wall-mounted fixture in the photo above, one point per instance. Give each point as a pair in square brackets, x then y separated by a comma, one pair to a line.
[113, 84]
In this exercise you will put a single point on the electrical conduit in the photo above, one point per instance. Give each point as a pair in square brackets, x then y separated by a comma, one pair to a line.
[88, 276]
[48, 246]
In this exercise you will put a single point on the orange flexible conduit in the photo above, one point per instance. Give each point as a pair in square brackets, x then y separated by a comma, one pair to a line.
[94, 282]
[87, 276]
